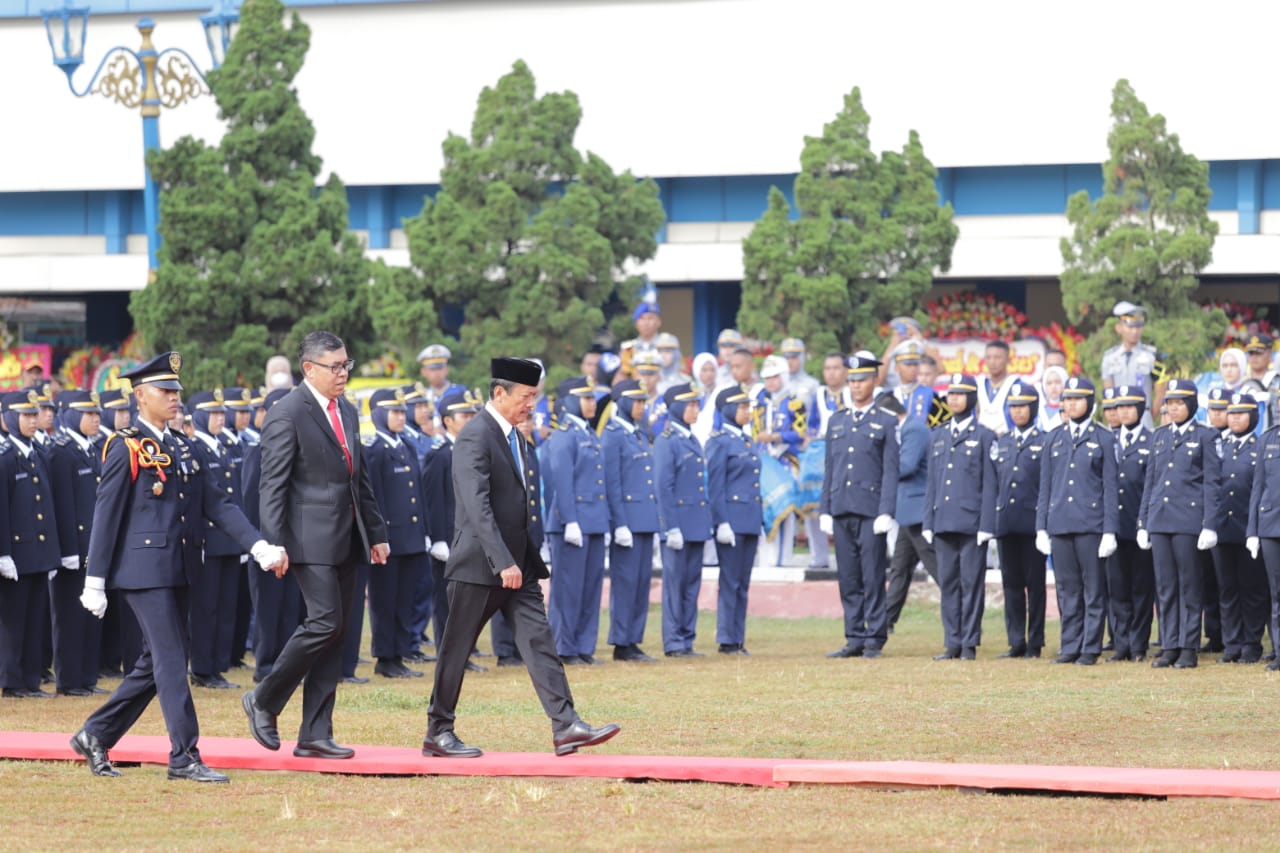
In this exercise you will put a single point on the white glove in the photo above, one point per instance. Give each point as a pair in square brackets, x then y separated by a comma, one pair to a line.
[244, 558]
[94, 596]
[53, 574]
[1251, 545]
[1207, 540]
[675, 539]
[1144, 540]
[927, 535]
[71, 564]
[724, 534]
[826, 524]
[440, 550]
[882, 524]
[622, 536]
[8, 570]
[608, 538]
[1042, 542]
[266, 556]
[428, 544]
[573, 534]
[1107, 546]
[544, 552]
[983, 538]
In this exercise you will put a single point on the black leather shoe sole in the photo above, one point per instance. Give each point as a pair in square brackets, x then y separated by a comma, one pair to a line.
[264, 739]
[322, 750]
[197, 772]
[98, 767]
[430, 749]
[601, 735]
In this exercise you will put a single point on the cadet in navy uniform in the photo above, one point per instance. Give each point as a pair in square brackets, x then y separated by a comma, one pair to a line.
[456, 408]
[214, 590]
[277, 601]
[397, 485]
[913, 474]
[136, 546]
[633, 514]
[684, 517]
[577, 520]
[415, 397]
[29, 549]
[959, 516]
[733, 483]
[859, 497]
[1263, 532]
[239, 435]
[1216, 401]
[1181, 496]
[1243, 597]
[74, 470]
[1131, 585]
[1022, 567]
[1076, 520]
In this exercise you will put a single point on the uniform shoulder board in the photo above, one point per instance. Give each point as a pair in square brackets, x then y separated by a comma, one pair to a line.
[62, 439]
[128, 432]
[6, 446]
[368, 440]
[668, 432]
[715, 433]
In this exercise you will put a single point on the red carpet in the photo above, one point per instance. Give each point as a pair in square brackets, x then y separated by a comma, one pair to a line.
[244, 754]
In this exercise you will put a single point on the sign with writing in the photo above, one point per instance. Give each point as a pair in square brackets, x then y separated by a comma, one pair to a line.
[1026, 358]
[107, 374]
[16, 359]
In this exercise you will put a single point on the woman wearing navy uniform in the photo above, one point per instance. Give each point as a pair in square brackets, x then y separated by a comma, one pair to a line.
[1243, 597]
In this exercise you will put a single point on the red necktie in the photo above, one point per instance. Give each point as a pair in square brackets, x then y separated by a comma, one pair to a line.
[337, 428]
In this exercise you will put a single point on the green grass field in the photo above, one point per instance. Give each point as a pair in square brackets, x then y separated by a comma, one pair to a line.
[787, 700]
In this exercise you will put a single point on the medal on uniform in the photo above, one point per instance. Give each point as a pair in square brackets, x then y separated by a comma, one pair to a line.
[157, 488]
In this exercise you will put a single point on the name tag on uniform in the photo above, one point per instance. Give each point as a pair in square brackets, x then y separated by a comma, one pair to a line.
[21, 475]
[404, 470]
[1035, 448]
[877, 426]
[1193, 444]
[973, 442]
[1092, 445]
[83, 471]
[1143, 451]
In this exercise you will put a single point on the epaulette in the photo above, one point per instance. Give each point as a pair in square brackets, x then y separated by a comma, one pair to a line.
[6, 446]
[62, 439]
[715, 433]
[368, 440]
[668, 432]
[128, 432]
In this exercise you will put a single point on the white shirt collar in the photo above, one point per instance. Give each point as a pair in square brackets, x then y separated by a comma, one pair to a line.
[390, 438]
[624, 423]
[320, 398]
[580, 423]
[679, 427]
[23, 447]
[212, 443]
[960, 426]
[502, 422]
[80, 440]
[162, 435]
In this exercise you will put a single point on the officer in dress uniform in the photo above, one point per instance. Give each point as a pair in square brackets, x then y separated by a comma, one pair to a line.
[733, 483]
[1216, 401]
[1181, 496]
[1017, 456]
[633, 515]
[238, 434]
[277, 601]
[29, 548]
[434, 363]
[685, 519]
[1243, 597]
[1263, 532]
[917, 399]
[648, 370]
[577, 521]
[397, 486]
[1130, 362]
[1131, 585]
[859, 497]
[215, 588]
[136, 546]
[74, 470]
[415, 396]
[959, 516]
[1076, 520]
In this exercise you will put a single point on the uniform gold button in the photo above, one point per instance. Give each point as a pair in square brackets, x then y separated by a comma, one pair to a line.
[41, 537]
[415, 519]
[39, 516]
[533, 518]
[411, 484]
[146, 542]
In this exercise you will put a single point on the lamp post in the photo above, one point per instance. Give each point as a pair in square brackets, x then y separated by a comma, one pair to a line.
[143, 78]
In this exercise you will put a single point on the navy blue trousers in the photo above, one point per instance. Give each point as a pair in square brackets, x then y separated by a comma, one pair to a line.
[962, 577]
[392, 605]
[277, 608]
[1244, 599]
[1022, 574]
[1131, 596]
[1081, 583]
[24, 607]
[214, 591]
[577, 581]
[354, 629]
[630, 576]
[681, 583]
[735, 581]
[77, 633]
[1179, 570]
[860, 575]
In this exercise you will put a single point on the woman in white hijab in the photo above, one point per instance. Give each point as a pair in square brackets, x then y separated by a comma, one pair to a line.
[1051, 385]
[1233, 367]
[705, 374]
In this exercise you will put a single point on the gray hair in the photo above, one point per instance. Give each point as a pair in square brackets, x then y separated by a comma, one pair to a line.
[316, 345]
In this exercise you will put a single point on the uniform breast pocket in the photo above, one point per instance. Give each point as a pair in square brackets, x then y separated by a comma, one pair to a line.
[147, 540]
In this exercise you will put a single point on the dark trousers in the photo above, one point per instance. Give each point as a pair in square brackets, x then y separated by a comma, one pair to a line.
[860, 577]
[1179, 571]
[424, 602]
[161, 670]
[77, 633]
[630, 576]
[244, 616]
[314, 652]
[277, 608]
[909, 550]
[24, 608]
[1270, 553]
[681, 583]
[1131, 595]
[439, 602]
[353, 633]
[1022, 574]
[1212, 609]
[504, 639]
[576, 588]
[1081, 583]
[121, 636]
[392, 604]
[213, 613]
[735, 581]
[1243, 599]
[962, 577]
[470, 606]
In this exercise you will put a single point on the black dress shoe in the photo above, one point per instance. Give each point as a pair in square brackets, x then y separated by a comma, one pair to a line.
[74, 691]
[1033, 652]
[91, 750]
[1229, 657]
[590, 661]
[1186, 660]
[570, 660]
[1065, 659]
[24, 693]
[948, 654]
[1119, 656]
[1139, 657]
[1166, 659]
[871, 654]
[472, 666]
[581, 734]
[419, 657]
[638, 654]
[1250, 657]
[847, 651]
[510, 660]
[1086, 660]
[212, 682]
[631, 654]
[1014, 652]
[197, 771]
[968, 653]
[223, 684]
[1269, 656]
[321, 749]
[354, 679]
[391, 668]
[1211, 648]
[1274, 665]
[262, 724]
[447, 745]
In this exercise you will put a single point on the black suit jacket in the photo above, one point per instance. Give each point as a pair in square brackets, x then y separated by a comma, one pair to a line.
[494, 515]
[307, 501]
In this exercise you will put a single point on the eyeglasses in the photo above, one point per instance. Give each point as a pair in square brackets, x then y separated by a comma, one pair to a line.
[341, 367]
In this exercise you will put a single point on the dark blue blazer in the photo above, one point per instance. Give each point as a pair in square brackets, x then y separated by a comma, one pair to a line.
[1078, 483]
[574, 485]
[629, 480]
[733, 482]
[1184, 482]
[1018, 478]
[28, 524]
[861, 467]
[75, 474]
[1238, 464]
[682, 484]
[397, 486]
[913, 471]
[437, 488]
[1264, 509]
[961, 492]
[1131, 471]
[222, 469]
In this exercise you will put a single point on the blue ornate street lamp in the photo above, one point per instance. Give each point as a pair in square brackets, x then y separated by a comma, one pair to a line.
[145, 78]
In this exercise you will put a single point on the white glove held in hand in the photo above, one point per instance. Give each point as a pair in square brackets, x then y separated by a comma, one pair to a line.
[1107, 546]
[94, 596]
[266, 556]
[882, 524]
[983, 538]
[724, 534]
[8, 570]
[622, 537]
[1252, 544]
[71, 564]
[1144, 540]
[573, 534]
[1207, 540]
[826, 524]
[440, 550]
[675, 539]
[927, 535]
[1042, 542]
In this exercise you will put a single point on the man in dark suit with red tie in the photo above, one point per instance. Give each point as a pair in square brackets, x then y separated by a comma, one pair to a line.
[494, 567]
[316, 499]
